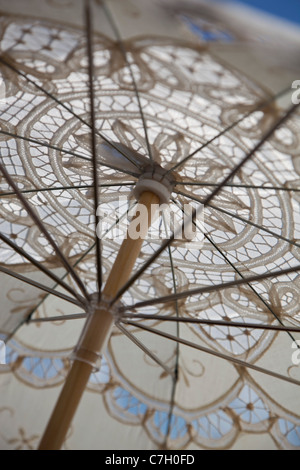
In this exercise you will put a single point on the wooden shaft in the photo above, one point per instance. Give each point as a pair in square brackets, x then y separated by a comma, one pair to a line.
[97, 330]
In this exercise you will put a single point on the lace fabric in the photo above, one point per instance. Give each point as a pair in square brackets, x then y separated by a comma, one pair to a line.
[189, 97]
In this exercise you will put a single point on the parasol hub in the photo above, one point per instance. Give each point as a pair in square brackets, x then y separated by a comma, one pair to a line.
[152, 177]
[156, 180]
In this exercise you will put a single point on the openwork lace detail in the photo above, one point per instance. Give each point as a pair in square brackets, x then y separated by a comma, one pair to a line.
[251, 227]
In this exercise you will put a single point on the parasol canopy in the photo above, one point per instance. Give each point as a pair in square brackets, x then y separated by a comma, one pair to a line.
[202, 342]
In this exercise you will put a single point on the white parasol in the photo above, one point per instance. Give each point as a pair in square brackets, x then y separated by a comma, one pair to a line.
[187, 336]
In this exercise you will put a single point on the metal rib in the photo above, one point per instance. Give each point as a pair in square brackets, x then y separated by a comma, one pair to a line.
[200, 321]
[233, 360]
[42, 228]
[40, 266]
[64, 188]
[176, 369]
[242, 276]
[76, 316]
[238, 217]
[5, 61]
[88, 24]
[124, 53]
[249, 285]
[144, 349]
[250, 154]
[39, 286]
[214, 288]
[68, 152]
[231, 126]
[44, 144]
[244, 186]
[207, 200]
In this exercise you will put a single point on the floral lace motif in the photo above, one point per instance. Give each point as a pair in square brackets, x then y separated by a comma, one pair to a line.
[188, 98]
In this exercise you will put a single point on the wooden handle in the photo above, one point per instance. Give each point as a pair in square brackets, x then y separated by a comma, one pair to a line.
[97, 329]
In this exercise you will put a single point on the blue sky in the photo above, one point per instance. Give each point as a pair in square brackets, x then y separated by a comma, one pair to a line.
[287, 9]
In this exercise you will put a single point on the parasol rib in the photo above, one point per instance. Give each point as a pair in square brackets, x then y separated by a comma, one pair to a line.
[67, 152]
[124, 53]
[40, 266]
[243, 277]
[42, 228]
[207, 200]
[213, 288]
[245, 186]
[229, 128]
[249, 285]
[176, 368]
[64, 188]
[238, 217]
[165, 318]
[231, 359]
[44, 144]
[40, 286]
[76, 316]
[200, 321]
[144, 349]
[88, 22]
[249, 155]
[28, 318]
[95, 334]
[67, 108]
[45, 190]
